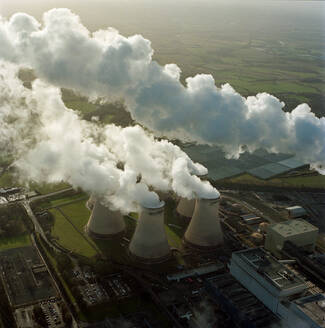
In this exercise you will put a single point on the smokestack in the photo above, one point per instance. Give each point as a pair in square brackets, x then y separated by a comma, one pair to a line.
[149, 242]
[186, 206]
[204, 229]
[103, 222]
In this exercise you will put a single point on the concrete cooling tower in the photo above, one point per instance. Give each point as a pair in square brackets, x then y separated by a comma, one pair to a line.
[149, 242]
[204, 230]
[103, 222]
[186, 206]
[91, 202]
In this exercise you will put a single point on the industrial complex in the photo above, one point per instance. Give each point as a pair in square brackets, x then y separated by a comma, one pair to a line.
[226, 261]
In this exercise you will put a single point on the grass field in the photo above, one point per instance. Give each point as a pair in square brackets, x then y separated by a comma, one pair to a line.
[65, 200]
[14, 242]
[80, 243]
[48, 188]
[311, 181]
[66, 235]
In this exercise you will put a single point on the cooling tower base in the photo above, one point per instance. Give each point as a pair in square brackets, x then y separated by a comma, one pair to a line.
[200, 247]
[146, 261]
[183, 217]
[96, 235]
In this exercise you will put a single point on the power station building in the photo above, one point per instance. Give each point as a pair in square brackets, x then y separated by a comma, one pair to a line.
[149, 242]
[295, 212]
[204, 230]
[103, 222]
[299, 232]
[280, 289]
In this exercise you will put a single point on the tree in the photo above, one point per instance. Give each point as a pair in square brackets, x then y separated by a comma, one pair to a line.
[39, 316]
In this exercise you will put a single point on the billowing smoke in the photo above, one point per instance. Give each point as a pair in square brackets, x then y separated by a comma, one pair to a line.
[51, 143]
[106, 64]
[204, 315]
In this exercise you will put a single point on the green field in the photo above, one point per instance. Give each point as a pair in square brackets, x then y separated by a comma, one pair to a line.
[14, 242]
[305, 181]
[62, 200]
[18, 235]
[66, 235]
[79, 242]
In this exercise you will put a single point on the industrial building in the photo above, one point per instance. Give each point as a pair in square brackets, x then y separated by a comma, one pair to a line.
[268, 279]
[149, 242]
[280, 289]
[295, 212]
[196, 272]
[103, 222]
[314, 265]
[310, 310]
[243, 307]
[204, 230]
[299, 232]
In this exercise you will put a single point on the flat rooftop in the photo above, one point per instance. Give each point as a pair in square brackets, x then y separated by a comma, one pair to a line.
[293, 227]
[314, 307]
[23, 284]
[195, 272]
[272, 270]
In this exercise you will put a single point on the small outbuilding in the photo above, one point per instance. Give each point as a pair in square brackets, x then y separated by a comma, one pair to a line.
[295, 212]
[299, 232]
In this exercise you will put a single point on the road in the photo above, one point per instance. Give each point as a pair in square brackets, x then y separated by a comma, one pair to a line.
[31, 215]
[38, 229]
[74, 321]
[51, 194]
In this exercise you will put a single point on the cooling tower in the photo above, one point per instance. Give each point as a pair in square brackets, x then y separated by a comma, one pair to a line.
[186, 206]
[204, 230]
[103, 222]
[149, 242]
[91, 202]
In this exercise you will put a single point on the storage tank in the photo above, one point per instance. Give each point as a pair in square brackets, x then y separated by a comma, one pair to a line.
[103, 222]
[149, 242]
[204, 230]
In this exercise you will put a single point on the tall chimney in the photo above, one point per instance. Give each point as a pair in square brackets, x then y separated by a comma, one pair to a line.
[103, 222]
[204, 230]
[149, 242]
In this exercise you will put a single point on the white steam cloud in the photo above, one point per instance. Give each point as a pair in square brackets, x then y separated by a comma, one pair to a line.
[106, 64]
[51, 143]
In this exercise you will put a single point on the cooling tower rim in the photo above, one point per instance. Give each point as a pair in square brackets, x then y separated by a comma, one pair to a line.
[202, 175]
[150, 260]
[207, 198]
[161, 204]
[202, 246]
[97, 235]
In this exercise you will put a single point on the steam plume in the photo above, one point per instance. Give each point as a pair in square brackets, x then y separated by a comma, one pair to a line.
[106, 64]
[50, 143]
